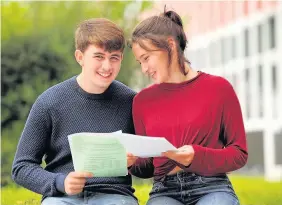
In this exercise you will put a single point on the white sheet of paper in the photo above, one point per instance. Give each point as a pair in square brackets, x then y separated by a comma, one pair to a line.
[104, 154]
[143, 146]
[118, 132]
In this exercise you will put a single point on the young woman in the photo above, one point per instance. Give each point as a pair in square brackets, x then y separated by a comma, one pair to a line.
[197, 112]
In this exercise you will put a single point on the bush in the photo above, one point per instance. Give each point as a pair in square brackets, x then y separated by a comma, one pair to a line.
[37, 51]
[29, 66]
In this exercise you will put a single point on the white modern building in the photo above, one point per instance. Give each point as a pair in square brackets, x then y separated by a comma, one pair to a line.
[242, 41]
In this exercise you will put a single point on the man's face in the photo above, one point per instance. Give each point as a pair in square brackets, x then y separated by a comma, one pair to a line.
[99, 67]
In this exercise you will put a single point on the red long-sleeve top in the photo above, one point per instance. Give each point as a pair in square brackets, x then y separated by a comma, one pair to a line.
[203, 112]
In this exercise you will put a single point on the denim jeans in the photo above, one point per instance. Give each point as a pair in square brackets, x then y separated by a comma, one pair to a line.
[192, 189]
[91, 198]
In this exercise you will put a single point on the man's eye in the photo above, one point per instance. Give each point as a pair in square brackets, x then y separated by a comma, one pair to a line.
[115, 59]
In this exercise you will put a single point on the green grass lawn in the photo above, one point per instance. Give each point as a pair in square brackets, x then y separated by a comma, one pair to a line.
[251, 191]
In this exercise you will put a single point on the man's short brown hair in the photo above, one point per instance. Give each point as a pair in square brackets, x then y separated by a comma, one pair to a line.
[100, 32]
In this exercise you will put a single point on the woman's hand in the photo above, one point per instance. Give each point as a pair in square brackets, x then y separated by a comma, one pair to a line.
[183, 155]
[131, 159]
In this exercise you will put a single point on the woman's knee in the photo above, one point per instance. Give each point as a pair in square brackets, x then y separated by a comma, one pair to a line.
[219, 198]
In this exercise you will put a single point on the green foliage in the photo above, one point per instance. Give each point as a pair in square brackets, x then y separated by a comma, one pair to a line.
[29, 66]
[250, 190]
[37, 52]
[256, 191]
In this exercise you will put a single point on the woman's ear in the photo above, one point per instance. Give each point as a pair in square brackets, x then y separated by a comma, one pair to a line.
[171, 43]
[79, 57]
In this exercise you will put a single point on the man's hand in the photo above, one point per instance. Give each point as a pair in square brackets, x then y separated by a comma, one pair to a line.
[131, 159]
[75, 182]
[183, 155]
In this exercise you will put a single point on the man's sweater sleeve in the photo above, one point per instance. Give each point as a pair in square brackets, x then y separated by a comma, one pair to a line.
[26, 169]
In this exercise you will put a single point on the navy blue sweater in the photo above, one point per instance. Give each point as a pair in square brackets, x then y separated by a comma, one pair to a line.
[62, 110]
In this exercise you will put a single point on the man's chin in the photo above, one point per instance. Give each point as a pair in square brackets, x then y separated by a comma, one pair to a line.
[104, 86]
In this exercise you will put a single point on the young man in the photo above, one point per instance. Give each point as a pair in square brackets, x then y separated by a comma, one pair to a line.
[90, 102]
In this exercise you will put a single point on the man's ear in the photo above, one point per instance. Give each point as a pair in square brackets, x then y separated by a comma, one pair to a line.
[79, 57]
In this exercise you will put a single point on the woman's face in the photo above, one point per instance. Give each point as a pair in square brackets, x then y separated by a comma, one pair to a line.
[154, 62]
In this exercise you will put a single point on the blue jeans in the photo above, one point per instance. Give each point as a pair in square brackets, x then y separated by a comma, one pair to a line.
[91, 198]
[192, 189]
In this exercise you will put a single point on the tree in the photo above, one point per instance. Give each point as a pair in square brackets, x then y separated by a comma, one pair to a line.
[38, 52]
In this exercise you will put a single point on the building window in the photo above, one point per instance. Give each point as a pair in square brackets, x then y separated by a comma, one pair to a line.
[259, 30]
[211, 54]
[274, 78]
[274, 88]
[248, 93]
[260, 84]
[246, 42]
[214, 54]
[234, 81]
[272, 30]
[223, 51]
[234, 48]
[204, 54]
[192, 58]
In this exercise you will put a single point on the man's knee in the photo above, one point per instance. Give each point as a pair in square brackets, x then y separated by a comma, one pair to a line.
[52, 200]
[113, 199]
[60, 201]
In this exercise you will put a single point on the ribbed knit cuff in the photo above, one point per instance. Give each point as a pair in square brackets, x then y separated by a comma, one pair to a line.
[60, 182]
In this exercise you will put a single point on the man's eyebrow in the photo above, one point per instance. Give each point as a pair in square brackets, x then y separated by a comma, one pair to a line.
[117, 55]
[98, 53]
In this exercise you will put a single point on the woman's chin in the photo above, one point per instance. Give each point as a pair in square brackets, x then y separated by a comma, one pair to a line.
[156, 81]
